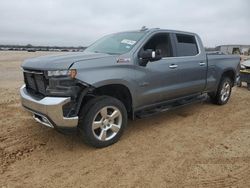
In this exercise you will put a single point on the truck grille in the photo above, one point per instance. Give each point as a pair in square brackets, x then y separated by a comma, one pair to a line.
[35, 81]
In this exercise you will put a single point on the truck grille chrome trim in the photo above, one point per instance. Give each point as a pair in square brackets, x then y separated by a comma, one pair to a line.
[33, 72]
[35, 81]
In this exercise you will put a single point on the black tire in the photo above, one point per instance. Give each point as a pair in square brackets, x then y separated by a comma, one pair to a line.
[90, 112]
[239, 84]
[248, 86]
[217, 98]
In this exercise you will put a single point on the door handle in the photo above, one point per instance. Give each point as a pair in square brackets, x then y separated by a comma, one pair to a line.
[143, 84]
[202, 63]
[173, 66]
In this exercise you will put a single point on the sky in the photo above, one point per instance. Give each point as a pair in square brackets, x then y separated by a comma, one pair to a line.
[81, 22]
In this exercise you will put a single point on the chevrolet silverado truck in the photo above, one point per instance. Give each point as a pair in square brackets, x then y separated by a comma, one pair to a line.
[124, 75]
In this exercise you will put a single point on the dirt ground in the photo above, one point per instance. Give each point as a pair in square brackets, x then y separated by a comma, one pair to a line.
[202, 145]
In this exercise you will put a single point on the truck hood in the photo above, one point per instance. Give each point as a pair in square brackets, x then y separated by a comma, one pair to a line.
[64, 61]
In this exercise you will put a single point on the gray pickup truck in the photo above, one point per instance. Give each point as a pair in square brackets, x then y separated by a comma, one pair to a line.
[124, 75]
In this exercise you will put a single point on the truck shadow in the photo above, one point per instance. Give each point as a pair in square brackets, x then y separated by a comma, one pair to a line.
[72, 140]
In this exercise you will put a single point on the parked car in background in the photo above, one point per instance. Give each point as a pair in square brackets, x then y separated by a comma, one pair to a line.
[245, 73]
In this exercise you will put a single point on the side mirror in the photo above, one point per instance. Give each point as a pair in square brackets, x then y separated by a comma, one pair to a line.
[149, 55]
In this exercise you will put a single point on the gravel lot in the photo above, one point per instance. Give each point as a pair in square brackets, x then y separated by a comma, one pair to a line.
[202, 145]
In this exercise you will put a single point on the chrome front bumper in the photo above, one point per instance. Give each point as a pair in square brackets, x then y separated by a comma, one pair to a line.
[48, 111]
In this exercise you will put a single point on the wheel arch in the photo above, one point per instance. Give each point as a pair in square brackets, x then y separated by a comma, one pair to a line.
[230, 73]
[118, 91]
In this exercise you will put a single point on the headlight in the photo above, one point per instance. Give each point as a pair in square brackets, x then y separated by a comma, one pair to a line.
[58, 73]
[242, 66]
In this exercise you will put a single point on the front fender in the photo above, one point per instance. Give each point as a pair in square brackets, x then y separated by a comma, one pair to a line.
[115, 74]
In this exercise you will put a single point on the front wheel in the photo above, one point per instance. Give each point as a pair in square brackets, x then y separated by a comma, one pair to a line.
[224, 92]
[102, 121]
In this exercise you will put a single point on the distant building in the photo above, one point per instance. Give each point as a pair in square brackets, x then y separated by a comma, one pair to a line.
[234, 49]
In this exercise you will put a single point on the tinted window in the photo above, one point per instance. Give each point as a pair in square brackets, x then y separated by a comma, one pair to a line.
[186, 45]
[160, 42]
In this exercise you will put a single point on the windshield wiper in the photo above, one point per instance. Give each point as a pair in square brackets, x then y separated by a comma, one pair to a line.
[110, 53]
[113, 53]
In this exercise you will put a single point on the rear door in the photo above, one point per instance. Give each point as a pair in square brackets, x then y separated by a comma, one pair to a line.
[191, 64]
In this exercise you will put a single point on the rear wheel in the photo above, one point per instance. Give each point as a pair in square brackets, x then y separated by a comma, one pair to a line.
[239, 84]
[102, 121]
[224, 92]
[248, 86]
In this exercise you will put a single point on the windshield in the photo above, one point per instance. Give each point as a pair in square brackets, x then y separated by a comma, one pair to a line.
[118, 43]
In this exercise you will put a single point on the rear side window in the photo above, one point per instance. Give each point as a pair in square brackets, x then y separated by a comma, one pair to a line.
[186, 45]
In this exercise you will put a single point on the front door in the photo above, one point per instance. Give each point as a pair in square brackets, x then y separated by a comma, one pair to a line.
[157, 80]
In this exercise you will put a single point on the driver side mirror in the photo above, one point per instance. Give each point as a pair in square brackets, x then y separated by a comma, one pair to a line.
[149, 56]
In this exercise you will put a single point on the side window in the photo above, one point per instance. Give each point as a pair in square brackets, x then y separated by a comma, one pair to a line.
[186, 45]
[160, 42]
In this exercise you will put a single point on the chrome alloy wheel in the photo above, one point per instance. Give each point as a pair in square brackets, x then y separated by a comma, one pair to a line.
[225, 91]
[107, 123]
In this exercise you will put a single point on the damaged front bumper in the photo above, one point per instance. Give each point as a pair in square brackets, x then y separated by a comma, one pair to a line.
[48, 110]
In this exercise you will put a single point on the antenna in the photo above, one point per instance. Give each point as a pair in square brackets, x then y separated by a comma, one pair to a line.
[144, 28]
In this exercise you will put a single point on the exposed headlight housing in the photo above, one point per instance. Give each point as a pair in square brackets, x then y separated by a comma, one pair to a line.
[62, 73]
